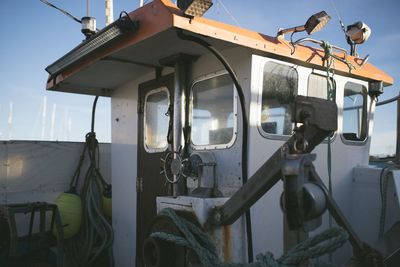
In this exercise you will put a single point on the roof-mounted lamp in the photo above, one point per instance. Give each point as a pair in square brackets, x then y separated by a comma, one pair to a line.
[315, 23]
[194, 8]
[357, 33]
[88, 26]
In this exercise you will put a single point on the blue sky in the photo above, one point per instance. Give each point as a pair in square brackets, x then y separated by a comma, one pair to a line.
[35, 35]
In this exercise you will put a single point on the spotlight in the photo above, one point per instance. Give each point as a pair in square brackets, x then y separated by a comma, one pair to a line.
[194, 8]
[315, 23]
[358, 32]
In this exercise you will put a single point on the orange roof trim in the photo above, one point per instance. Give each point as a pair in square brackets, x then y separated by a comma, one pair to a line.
[161, 15]
[272, 45]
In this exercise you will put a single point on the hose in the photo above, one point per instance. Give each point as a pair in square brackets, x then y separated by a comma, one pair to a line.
[239, 88]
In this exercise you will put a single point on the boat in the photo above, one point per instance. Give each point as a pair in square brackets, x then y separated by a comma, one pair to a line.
[230, 146]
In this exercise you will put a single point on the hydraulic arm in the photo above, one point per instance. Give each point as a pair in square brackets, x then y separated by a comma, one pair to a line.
[305, 196]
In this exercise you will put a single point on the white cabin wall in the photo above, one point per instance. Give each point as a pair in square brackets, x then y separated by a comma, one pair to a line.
[124, 169]
[124, 138]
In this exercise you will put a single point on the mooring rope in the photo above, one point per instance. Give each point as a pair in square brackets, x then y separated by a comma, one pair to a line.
[196, 239]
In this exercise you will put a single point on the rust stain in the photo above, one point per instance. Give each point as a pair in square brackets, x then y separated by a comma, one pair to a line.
[227, 243]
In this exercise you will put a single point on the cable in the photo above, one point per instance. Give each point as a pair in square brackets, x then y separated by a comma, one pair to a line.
[228, 12]
[94, 112]
[61, 10]
[96, 234]
[239, 88]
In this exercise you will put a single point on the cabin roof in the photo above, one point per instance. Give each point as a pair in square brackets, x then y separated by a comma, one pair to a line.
[109, 58]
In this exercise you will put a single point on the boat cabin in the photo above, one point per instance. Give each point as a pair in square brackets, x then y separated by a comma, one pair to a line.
[184, 136]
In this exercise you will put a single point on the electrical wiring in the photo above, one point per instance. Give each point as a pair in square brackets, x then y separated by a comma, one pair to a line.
[61, 10]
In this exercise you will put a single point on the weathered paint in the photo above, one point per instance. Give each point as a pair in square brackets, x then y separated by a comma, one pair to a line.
[227, 243]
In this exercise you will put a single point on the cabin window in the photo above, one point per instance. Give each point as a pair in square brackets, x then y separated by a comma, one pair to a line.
[156, 120]
[279, 89]
[317, 86]
[213, 113]
[354, 112]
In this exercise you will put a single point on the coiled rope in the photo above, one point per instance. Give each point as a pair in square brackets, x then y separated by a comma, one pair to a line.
[96, 234]
[194, 238]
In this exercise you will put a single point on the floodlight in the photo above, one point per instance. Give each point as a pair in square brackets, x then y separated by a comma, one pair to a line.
[358, 32]
[315, 23]
[195, 8]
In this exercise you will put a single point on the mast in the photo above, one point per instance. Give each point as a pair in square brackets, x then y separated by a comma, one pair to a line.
[109, 12]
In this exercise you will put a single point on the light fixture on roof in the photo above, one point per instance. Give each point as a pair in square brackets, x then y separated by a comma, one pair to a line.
[357, 33]
[194, 8]
[315, 23]
[88, 26]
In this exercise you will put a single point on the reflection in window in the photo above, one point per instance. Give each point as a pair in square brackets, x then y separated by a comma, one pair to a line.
[355, 112]
[279, 89]
[156, 122]
[213, 118]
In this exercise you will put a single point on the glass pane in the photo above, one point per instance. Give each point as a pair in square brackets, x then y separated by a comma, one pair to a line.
[212, 111]
[279, 89]
[156, 122]
[317, 86]
[354, 112]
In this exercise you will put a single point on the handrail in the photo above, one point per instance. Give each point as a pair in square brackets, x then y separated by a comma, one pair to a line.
[388, 100]
[308, 39]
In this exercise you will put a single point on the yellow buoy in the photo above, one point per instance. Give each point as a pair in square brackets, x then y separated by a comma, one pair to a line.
[107, 202]
[70, 208]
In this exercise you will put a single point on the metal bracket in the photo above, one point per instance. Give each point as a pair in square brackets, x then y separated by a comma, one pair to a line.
[319, 119]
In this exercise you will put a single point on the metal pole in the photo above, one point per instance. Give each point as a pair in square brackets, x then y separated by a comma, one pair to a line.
[109, 12]
[179, 81]
[141, 3]
[398, 133]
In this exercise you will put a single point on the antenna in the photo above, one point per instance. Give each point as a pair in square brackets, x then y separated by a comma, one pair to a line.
[229, 13]
[343, 28]
[88, 23]
[61, 10]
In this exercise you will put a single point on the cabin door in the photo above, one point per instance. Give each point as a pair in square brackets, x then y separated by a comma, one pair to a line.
[155, 99]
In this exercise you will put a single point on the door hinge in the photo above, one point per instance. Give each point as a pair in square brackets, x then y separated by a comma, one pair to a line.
[139, 184]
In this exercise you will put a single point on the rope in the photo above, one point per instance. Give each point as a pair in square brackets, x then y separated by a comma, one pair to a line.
[194, 238]
[96, 234]
[331, 95]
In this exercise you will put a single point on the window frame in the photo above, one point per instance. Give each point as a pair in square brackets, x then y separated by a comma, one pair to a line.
[366, 114]
[260, 95]
[235, 113]
[149, 93]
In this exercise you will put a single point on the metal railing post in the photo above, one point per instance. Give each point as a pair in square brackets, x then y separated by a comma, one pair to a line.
[398, 133]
